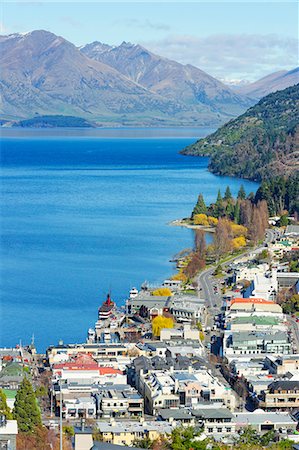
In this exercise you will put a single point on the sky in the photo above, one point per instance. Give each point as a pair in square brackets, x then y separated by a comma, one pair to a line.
[230, 40]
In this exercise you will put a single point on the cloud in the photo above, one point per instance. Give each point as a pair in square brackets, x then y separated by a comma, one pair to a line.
[148, 24]
[244, 56]
[70, 21]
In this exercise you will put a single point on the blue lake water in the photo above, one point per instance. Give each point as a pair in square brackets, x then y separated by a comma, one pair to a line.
[86, 211]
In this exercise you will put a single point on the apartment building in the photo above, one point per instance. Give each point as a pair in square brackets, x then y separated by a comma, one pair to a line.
[282, 395]
[125, 433]
[64, 352]
[119, 401]
[283, 364]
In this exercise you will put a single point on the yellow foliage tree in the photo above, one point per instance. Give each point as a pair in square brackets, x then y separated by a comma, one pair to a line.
[212, 221]
[238, 230]
[180, 276]
[162, 292]
[239, 242]
[200, 219]
[160, 322]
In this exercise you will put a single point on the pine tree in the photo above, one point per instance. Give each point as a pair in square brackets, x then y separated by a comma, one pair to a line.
[237, 214]
[219, 197]
[4, 409]
[219, 207]
[200, 207]
[241, 193]
[26, 410]
[227, 194]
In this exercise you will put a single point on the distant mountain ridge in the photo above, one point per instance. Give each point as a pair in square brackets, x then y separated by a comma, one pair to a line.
[260, 144]
[170, 79]
[44, 74]
[276, 81]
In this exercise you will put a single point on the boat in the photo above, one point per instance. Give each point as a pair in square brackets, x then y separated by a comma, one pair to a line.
[107, 309]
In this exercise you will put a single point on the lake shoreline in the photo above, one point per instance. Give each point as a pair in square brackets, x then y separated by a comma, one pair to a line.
[185, 224]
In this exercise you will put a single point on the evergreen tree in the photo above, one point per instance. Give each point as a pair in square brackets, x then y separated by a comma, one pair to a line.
[227, 194]
[200, 207]
[241, 193]
[237, 213]
[229, 210]
[4, 409]
[26, 410]
[219, 207]
[219, 197]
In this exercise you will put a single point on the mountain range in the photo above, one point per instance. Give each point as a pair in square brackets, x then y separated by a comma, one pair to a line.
[44, 74]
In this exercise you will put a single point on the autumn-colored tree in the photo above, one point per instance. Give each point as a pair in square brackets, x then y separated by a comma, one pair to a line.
[238, 242]
[212, 221]
[162, 292]
[246, 213]
[41, 439]
[201, 219]
[180, 276]
[160, 322]
[200, 243]
[223, 238]
[195, 264]
[239, 230]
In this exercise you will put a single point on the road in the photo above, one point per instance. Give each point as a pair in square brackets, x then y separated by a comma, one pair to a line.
[295, 331]
[206, 281]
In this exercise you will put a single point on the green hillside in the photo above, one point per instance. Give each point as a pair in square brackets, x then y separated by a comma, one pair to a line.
[259, 144]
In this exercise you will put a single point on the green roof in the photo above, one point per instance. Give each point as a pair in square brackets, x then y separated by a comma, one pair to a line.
[257, 320]
[12, 369]
[9, 393]
[286, 243]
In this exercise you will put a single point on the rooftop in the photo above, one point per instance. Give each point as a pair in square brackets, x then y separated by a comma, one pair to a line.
[256, 320]
[254, 300]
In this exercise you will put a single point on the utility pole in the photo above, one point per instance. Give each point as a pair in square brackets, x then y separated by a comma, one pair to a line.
[60, 413]
[51, 406]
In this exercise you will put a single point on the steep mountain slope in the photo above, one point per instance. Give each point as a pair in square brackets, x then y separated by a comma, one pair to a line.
[261, 143]
[43, 73]
[271, 83]
[183, 83]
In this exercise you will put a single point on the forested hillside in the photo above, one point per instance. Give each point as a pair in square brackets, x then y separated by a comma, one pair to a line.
[259, 144]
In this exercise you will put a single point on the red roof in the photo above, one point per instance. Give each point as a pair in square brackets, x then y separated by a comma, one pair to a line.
[251, 300]
[107, 370]
[86, 367]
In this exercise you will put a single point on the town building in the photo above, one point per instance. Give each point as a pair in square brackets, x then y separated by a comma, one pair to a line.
[281, 395]
[125, 433]
[8, 433]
